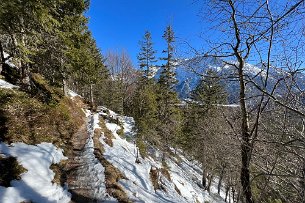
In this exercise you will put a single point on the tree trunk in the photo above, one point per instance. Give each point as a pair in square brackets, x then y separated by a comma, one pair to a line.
[245, 135]
[91, 95]
[64, 86]
[204, 178]
[2, 57]
[246, 148]
[210, 183]
[302, 181]
[233, 194]
[25, 75]
[220, 179]
[227, 193]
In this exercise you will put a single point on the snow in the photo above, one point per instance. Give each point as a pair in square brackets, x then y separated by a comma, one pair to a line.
[93, 169]
[229, 105]
[185, 176]
[123, 155]
[35, 184]
[9, 61]
[72, 94]
[6, 85]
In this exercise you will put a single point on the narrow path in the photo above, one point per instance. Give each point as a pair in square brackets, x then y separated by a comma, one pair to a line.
[85, 179]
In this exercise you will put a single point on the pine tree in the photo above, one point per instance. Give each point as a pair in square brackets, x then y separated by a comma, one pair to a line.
[200, 112]
[169, 114]
[23, 25]
[209, 92]
[167, 77]
[146, 56]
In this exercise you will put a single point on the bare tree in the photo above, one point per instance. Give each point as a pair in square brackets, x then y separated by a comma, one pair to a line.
[249, 30]
[123, 77]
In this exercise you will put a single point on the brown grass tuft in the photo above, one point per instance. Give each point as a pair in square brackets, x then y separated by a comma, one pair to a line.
[9, 170]
[112, 174]
[165, 172]
[25, 119]
[108, 136]
[177, 190]
[154, 177]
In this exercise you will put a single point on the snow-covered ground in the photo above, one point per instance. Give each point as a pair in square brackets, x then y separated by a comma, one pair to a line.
[35, 184]
[6, 85]
[184, 176]
[92, 169]
[72, 94]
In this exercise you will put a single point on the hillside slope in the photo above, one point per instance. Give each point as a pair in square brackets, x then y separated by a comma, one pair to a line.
[177, 180]
[97, 163]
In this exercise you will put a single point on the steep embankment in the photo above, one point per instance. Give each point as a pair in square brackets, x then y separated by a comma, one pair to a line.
[148, 179]
[35, 137]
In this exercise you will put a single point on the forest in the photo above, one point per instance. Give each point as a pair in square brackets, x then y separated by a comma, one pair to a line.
[243, 120]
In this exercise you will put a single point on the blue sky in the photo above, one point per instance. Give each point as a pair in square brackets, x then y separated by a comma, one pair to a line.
[120, 24]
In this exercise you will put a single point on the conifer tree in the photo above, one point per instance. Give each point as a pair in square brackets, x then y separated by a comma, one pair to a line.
[22, 26]
[167, 77]
[169, 114]
[146, 56]
[209, 92]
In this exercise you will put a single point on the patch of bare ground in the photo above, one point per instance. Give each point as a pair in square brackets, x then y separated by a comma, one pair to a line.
[112, 174]
[155, 177]
[108, 136]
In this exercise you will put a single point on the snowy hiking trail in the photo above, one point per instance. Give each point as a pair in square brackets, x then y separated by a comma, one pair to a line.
[85, 174]
[86, 180]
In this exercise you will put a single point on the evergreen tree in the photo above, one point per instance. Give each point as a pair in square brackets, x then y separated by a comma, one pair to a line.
[146, 56]
[145, 110]
[51, 38]
[22, 27]
[167, 77]
[209, 92]
[197, 130]
[169, 114]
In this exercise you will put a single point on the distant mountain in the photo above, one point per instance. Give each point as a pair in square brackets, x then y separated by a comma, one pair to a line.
[190, 71]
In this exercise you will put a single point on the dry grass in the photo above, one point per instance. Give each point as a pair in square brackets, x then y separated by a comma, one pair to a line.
[166, 174]
[26, 119]
[108, 136]
[97, 144]
[60, 174]
[43, 91]
[120, 132]
[57, 170]
[41, 116]
[9, 170]
[177, 190]
[112, 174]
[154, 177]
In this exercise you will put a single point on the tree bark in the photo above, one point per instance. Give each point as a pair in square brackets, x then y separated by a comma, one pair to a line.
[2, 57]
[227, 193]
[91, 95]
[210, 183]
[302, 181]
[64, 86]
[204, 178]
[220, 179]
[246, 149]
